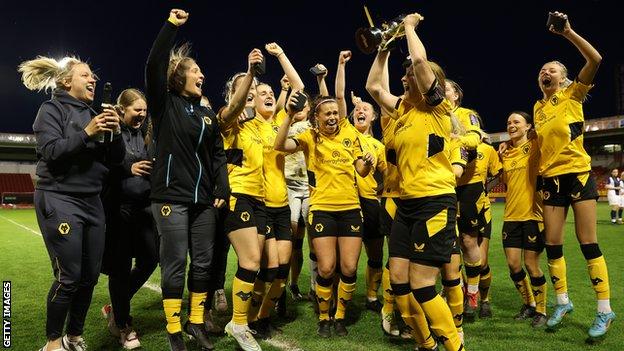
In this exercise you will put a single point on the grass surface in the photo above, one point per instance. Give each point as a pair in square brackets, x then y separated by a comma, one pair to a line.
[24, 261]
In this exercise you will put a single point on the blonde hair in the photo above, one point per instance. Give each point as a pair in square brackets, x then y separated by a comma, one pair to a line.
[179, 62]
[45, 73]
[456, 126]
[564, 72]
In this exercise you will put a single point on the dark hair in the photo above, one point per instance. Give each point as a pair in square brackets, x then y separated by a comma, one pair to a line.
[527, 117]
[314, 104]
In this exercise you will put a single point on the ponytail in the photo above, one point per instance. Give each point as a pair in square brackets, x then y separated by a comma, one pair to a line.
[45, 73]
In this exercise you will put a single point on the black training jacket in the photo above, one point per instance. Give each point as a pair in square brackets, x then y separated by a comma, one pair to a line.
[69, 161]
[190, 163]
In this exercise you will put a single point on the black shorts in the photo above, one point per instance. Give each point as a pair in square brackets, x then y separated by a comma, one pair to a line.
[456, 245]
[424, 230]
[566, 189]
[371, 217]
[335, 223]
[526, 235]
[472, 202]
[486, 230]
[387, 214]
[244, 212]
[278, 223]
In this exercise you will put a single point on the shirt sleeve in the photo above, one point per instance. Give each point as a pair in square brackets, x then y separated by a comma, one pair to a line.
[578, 91]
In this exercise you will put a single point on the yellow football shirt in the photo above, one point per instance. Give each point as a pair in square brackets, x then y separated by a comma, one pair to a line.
[559, 123]
[367, 186]
[244, 151]
[275, 191]
[391, 179]
[331, 170]
[484, 161]
[470, 122]
[421, 140]
[520, 166]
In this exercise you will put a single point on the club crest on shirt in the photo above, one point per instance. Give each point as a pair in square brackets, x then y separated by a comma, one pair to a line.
[207, 120]
[526, 149]
[275, 129]
[480, 155]
[346, 142]
[554, 100]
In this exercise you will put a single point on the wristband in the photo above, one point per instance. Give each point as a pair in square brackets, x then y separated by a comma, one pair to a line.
[173, 21]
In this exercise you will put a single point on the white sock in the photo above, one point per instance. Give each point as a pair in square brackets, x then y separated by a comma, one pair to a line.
[562, 299]
[604, 306]
[473, 289]
[533, 304]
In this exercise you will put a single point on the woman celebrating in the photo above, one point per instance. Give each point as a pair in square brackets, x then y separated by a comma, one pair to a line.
[565, 168]
[333, 154]
[423, 232]
[523, 236]
[189, 179]
[134, 234]
[71, 170]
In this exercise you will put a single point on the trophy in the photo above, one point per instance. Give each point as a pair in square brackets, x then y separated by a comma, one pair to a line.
[371, 39]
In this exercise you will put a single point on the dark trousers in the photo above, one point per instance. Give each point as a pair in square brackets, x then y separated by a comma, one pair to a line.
[73, 231]
[137, 238]
[222, 247]
[185, 229]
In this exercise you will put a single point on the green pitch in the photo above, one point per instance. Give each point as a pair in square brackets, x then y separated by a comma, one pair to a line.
[24, 261]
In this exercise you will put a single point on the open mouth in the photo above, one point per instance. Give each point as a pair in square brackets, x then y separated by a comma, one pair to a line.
[250, 98]
[512, 130]
[361, 118]
[546, 81]
[268, 103]
[90, 88]
[199, 84]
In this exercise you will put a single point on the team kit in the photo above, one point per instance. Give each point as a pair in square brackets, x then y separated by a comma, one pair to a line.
[181, 187]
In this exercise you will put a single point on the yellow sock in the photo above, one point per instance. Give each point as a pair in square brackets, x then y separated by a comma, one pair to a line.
[259, 290]
[557, 270]
[528, 291]
[485, 281]
[413, 315]
[323, 298]
[441, 322]
[242, 292]
[455, 301]
[599, 277]
[373, 281]
[388, 305]
[196, 303]
[538, 286]
[473, 270]
[345, 292]
[172, 309]
[271, 298]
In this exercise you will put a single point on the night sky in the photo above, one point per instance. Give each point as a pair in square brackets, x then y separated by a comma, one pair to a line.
[494, 52]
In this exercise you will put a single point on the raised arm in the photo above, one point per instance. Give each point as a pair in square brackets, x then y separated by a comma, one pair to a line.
[343, 58]
[230, 113]
[422, 71]
[374, 85]
[320, 80]
[295, 81]
[158, 62]
[280, 103]
[591, 55]
[282, 142]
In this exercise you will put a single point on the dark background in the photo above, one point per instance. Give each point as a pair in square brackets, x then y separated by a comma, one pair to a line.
[493, 49]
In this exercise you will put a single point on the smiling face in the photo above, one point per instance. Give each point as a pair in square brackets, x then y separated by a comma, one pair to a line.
[363, 115]
[517, 128]
[193, 80]
[134, 114]
[81, 84]
[551, 76]
[614, 173]
[327, 117]
[265, 100]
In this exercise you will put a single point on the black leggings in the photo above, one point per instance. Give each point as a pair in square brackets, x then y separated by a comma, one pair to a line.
[222, 247]
[136, 238]
[73, 231]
